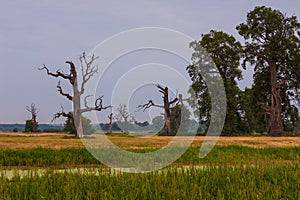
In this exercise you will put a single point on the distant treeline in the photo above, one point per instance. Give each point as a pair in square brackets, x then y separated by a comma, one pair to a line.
[49, 128]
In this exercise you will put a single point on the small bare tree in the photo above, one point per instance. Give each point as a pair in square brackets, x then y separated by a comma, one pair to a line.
[167, 106]
[34, 124]
[123, 117]
[87, 70]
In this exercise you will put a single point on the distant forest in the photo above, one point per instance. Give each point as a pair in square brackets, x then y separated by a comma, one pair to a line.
[42, 127]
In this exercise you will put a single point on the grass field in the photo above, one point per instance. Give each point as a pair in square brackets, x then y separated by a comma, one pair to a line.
[58, 141]
[237, 168]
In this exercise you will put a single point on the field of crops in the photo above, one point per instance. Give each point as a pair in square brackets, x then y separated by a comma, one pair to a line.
[227, 182]
[227, 172]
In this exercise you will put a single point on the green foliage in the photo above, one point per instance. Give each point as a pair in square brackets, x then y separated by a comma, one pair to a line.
[251, 120]
[158, 123]
[105, 127]
[53, 130]
[69, 126]
[28, 127]
[272, 38]
[225, 52]
[180, 116]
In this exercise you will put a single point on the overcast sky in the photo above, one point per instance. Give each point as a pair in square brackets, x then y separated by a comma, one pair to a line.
[36, 32]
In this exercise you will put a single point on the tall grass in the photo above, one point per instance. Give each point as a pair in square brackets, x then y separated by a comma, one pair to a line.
[260, 182]
[232, 155]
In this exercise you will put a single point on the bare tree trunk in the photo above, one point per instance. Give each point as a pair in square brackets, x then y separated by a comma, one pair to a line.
[110, 117]
[126, 124]
[87, 73]
[77, 110]
[166, 106]
[167, 126]
[177, 119]
[275, 118]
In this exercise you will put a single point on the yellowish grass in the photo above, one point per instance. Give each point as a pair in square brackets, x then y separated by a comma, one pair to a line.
[58, 141]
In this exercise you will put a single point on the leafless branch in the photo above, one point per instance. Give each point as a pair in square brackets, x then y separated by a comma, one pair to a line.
[161, 89]
[57, 74]
[59, 89]
[32, 109]
[174, 100]
[148, 105]
[61, 114]
[88, 71]
[98, 105]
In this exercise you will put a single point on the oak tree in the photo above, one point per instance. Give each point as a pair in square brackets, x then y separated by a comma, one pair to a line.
[87, 71]
[32, 125]
[272, 43]
[225, 51]
[167, 106]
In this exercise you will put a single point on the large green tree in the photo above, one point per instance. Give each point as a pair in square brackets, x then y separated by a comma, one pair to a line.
[272, 47]
[225, 51]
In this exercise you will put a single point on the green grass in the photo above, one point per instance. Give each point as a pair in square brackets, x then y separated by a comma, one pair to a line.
[43, 157]
[227, 182]
[220, 155]
[227, 172]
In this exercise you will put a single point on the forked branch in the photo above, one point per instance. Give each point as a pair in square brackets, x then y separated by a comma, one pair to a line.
[98, 106]
[148, 105]
[58, 73]
[61, 114]
[87, 69]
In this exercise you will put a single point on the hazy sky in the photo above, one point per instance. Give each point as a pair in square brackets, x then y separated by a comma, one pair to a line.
[36, 32]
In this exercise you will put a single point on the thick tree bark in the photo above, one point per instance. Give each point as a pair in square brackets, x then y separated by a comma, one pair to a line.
[176, 114]
[167, 126]
[275, 118]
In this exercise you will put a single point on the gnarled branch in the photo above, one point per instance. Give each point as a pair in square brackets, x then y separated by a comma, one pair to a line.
[98, 105]
[148, 105]
[57, 74]
[61, 114]
[59, 89]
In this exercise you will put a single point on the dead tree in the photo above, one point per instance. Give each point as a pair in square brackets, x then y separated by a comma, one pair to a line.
[167, 106]
[34, 124]
[87, 71]
[110, 117]
[123, 115]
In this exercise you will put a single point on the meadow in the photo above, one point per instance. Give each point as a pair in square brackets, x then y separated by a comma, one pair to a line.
[237, 168]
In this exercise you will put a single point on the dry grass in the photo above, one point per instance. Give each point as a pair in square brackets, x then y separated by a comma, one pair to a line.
[45, 140]
[57, 141]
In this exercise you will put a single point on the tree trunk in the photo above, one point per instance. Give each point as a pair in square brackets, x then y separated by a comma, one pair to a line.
[167, 126]
[177, 119]
[110, 117]
[77, 111]
[125, 125]
[275, 118]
